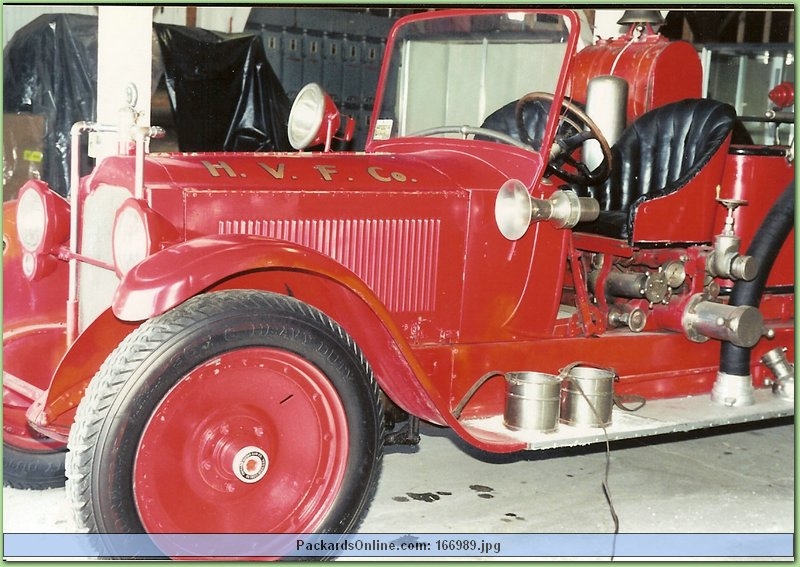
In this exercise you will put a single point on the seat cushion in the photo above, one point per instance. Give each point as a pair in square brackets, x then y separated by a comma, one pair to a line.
[664, 149]
[659, 153]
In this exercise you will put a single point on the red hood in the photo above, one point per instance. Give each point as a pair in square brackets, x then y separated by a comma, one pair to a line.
[444, 166]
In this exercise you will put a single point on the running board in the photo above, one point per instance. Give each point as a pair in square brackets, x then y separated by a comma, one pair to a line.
[656, 417]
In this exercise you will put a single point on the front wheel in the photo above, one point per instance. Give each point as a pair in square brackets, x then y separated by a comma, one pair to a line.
[237, 412]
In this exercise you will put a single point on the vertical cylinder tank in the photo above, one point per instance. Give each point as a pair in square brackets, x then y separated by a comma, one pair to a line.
[606, 105]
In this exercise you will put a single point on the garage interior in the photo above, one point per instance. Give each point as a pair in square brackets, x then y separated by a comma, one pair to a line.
[731, 480]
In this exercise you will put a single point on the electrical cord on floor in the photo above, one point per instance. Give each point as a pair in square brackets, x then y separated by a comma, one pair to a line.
[619, 401]
[607, 494]
[606, 490]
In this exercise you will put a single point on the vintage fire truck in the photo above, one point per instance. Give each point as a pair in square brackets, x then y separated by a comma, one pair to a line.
[225, 342]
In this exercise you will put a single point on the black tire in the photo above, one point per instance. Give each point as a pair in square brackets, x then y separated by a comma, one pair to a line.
[115, 413]
[32, 470]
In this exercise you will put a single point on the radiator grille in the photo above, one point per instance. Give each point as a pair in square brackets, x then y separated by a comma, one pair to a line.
[96, 286]
[396, 258]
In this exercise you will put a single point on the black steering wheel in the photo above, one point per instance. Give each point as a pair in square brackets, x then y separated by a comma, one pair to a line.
[566, 144]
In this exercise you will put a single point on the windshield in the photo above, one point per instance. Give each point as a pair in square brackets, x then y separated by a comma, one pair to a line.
[457, 70]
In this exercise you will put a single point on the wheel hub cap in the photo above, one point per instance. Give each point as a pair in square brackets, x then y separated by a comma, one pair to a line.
[250, 464]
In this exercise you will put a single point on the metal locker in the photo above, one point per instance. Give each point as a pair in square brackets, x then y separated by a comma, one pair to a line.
[312, 57]
[332, 67]
[272, 38]
[292, 68]
[351, 72]
[372, 54]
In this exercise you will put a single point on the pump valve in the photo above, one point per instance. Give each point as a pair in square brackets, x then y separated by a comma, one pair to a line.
[725, 261]
[741, 325]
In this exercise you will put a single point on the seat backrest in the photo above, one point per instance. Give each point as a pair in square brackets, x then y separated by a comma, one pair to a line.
[662, 150]
[664, 168]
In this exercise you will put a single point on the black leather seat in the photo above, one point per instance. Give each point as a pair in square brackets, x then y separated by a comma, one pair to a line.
[658, 154]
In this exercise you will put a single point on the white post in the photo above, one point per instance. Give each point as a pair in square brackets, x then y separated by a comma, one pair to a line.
[124, 65]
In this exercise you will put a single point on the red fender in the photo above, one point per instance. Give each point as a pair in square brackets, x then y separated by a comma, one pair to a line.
[54, 412]
[172, 276]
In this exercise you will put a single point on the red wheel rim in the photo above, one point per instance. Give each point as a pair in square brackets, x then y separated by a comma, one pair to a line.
[32, 355]
[253, 441]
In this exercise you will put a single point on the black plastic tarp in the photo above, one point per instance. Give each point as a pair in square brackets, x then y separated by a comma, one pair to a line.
[223, 91]
[50, 69]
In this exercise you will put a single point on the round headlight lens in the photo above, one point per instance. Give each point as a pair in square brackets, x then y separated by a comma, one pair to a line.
[31, 220]
[28, 265]
[513, 209]
[305, 118]
[131, 243]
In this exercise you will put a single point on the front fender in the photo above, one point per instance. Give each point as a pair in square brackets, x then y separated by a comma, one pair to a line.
[172, 276]
[53, 413]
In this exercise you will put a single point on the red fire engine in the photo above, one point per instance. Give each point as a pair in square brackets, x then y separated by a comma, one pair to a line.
[534, 233]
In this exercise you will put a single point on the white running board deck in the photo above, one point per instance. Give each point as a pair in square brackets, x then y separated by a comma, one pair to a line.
[656, 417]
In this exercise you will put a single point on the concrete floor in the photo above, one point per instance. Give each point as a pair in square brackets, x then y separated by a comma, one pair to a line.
[739, 479]
[736, 479]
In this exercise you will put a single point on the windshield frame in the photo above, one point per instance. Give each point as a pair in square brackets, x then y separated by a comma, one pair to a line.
[572, 22]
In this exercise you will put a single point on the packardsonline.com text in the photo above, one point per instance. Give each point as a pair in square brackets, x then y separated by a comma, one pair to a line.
[456, 547]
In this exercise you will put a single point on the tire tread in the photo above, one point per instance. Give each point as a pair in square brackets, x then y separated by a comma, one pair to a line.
[32, 470]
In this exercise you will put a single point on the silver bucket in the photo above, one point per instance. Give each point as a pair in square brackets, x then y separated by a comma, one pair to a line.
[592, 407]
[532, 401]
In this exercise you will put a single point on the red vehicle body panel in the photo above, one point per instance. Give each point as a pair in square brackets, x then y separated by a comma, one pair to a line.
[650, 66]
[771, 172]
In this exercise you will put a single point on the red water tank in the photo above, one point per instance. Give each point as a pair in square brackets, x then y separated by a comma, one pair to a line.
[657, 70]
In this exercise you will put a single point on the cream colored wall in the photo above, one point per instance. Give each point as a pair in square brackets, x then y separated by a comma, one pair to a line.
[16, 17]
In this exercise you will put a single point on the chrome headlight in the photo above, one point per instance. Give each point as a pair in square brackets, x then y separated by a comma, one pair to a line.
[138, 232]
[130, 241]
[314, 120]
[305, 118]
[31, 219]
[42, 226]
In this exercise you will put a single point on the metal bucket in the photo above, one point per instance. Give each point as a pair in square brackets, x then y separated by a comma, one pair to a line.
[532, 401]
[597, 387]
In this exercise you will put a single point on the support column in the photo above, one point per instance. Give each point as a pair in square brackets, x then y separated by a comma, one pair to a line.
[124, 57]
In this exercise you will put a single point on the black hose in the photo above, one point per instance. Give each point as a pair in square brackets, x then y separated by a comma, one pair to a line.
[766, 244]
